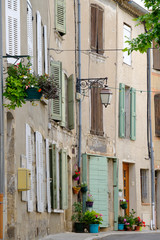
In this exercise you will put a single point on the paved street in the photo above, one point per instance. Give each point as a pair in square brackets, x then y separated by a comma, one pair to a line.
[140, 236]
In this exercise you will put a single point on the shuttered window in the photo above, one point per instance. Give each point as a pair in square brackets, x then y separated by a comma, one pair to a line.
[45, 50]
[121, 110]
[12, 28]
[126, 37]
[96, 111]
[133, 114]
[97, 29]
[39, 44]
[60, 16]
[156, 57]
[144, 177]
[59, 178]
[157, 114]
[29, 166]
[30, 32]
[39, 172]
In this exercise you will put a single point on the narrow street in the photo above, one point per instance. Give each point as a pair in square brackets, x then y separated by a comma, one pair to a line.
[139, 236]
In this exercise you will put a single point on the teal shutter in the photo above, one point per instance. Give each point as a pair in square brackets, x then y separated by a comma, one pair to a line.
[54, 175]
[56, 71]
[63, 122]
[133, 114]
[70, 90]
[121, 110]
[115, 192]
[60, 16]
[84, 177]
[64, 180]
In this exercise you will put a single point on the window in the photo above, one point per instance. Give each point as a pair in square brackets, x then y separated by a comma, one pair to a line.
[97, 29]
[62, 108]
[127, 112]
[30, 32]
[59, 178]
[39, 44]
[12, 28]
[144, 177]
[157, 114]
[60, 16]
[126, 36]
[156, 58]
[96, 112]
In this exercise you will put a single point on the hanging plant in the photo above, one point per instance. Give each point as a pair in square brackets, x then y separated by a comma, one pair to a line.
[20, 81]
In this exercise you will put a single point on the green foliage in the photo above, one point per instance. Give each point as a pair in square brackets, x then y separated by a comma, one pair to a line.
[152, 28]
[89, 198]
[84, 184]
[78, 214]
[92, 217]
[129, 220]
[120, 219]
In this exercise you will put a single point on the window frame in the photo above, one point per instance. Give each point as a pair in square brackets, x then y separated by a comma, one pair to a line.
[127, 59]
[144, 189]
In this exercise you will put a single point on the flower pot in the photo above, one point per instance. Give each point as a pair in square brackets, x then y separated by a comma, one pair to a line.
[84, 189]
[120, 194]
[137, 228]
[120, 226]
[76, 190]
[79, 227]
[124, 206]
[89, 204]
[33, 94]
[76, 178]
[93, 228]
[140, 229]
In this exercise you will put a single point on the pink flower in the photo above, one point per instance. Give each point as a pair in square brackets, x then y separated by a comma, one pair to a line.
[26, 87]
[96, 216]
[125, 220]
[100, 215]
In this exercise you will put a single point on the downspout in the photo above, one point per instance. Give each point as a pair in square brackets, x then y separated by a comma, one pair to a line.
[79, 82]
[2, 191]
[151, 143]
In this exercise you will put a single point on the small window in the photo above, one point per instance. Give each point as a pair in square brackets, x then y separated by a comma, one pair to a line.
[156, 57]
[97, 29]
[126, 36]
[157, 114]
[144, 178]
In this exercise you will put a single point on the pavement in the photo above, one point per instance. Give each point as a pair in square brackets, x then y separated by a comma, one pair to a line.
[92, 236]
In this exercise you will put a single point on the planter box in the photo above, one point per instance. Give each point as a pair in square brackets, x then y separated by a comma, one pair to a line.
[33, 94]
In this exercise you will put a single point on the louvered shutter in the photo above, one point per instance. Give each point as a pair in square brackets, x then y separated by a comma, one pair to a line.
[56, 71]
[70, 91]
[48, 177]
[39, 168]
[157, 114]
[133, 114]
[45, 50]
[39, 44]
[29, 166]
[126, 37]
[63, 119]
[121, 110]
[156, 57]
[100, 30]
[30, 32]
[94, 26]
[60, 15]
[64, 179]
[12, 28]
[54, 174]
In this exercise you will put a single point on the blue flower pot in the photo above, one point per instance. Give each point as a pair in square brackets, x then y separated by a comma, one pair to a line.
[93, 228]
[120, 226]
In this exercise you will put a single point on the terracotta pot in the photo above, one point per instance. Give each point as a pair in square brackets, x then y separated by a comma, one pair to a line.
[137, 228]
[76, 190]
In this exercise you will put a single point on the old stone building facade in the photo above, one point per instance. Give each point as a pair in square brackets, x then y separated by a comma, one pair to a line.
[53, 137]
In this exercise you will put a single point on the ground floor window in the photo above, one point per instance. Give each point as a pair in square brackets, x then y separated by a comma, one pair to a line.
[144, 177]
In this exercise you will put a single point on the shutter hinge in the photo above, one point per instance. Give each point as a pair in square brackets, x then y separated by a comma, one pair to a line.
[32, 18]
[27, 9]
[114, 185]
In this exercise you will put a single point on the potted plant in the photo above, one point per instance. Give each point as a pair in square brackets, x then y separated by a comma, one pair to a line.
[89, 201]
[139, 224]
[120, 192]
[123, 203]
[77, 217]
[22, 85]
[120, 223]
[129, 220]
[76, 189]
[93, 219]
[76, 174]
[84, 187]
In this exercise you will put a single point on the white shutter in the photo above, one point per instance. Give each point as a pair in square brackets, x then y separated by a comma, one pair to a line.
[39, 171]
[126, 36]
[29, 166]
[48, 177]
[39, 44]
[12, 28]
[45, 49]
[30, 32]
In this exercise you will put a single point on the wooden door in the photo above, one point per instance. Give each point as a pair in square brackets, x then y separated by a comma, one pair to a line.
[126, 184]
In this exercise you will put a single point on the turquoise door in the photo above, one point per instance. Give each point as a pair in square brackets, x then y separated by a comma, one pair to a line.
[98, 185]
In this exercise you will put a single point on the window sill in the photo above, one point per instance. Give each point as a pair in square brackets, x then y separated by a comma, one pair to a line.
[97, 56]
[58, 211]
[145, 204]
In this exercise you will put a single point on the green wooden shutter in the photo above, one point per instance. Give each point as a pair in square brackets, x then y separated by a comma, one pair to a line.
[54, 175]
[60, 16]
[84, 178]
[70, 90]
[64, 179]
[121, 110]
[63, 122]
[133, 114]
[56, 106]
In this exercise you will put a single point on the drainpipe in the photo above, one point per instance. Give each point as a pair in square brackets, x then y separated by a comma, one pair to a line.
[79, 82]
[151, 143]
[1, 130]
